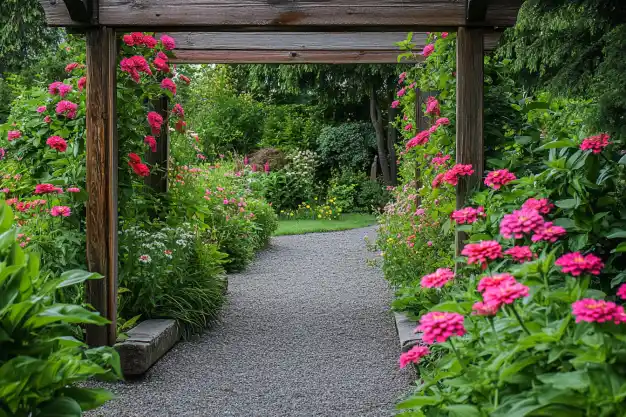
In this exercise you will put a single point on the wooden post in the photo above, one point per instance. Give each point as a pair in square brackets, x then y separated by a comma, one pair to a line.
[469, 112]
[102, 164]
[159, 159]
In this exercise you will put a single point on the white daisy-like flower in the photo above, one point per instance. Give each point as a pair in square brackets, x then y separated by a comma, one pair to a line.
[146, 259]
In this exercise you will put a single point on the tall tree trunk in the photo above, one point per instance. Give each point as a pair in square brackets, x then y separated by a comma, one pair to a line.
[392, 137]
[381, 140]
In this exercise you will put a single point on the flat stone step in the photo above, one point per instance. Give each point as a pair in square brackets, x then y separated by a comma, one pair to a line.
[406, 332]
[146, 344]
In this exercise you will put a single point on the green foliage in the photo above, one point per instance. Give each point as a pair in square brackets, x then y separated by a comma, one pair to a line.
[290, 127]
[347, 146]
[41, 362]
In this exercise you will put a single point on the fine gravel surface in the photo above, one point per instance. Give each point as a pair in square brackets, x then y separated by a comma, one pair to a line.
[307, 332]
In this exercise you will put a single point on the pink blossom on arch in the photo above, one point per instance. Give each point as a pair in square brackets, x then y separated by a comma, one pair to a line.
[576, 264]
[72, 66]
[621, 292]
[437, 180]
[184, 78]
[59, 88]
[67, 109]
[395, 104]
[420, 139]
[442, 121]
[82, 83]
[168, 42]
[401, 78]
[432, 107]
[414, 355]
[596, 143]
[149, 41]
[440, 160]
[155, 120]
[401, 92]
[498, 178]
[444, 35]
[73, 190]
[60, 211]
[168, 84]
[439, 326]
[428, 50]
[128, 40]
[459, 170]
[151, 142]
[408, 127]
[161, 65]
[178, 111]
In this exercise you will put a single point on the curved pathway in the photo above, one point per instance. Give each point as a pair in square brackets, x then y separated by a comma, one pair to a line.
[307, 332]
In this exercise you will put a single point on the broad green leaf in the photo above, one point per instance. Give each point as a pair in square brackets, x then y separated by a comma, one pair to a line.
[620, 248]
[66, 313]
[418, 401]
[567, 204]
[61, 407]
[88, 399]
[462, 410]
[76, 276]
[577, 380]
[557, 144]
[617, 234]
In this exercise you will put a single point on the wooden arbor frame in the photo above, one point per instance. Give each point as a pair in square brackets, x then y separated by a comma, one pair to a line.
[259, 31]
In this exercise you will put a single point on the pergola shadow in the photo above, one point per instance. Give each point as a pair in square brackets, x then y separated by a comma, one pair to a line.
[258, 31]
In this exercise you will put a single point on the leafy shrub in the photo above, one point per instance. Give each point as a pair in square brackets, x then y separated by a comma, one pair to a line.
[265, 222]
[41, 362]
[355, 192]
[371, 197]
[290, 127]
[349, 146]
[285, 190]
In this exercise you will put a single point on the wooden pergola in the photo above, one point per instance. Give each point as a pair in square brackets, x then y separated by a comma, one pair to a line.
[259, 31]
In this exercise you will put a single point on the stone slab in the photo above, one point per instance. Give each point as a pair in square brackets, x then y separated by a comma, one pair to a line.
[146, 344]
[406, 332]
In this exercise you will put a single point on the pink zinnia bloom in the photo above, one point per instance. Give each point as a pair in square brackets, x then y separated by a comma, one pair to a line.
[498, 178]
[505, 293]
[47, 119]
[60, 211]
[161, 65]
[401, 92]
[168, 42]
[542, 205]
[484, 309]
[440, 160]
[420, 139]
[595, 143]
[168, 84]
[444, 35]
[73, 190]
[432, 107]
[408, 127]
[401, 78]
[437, 180]
[47, 189]
[467, 215]
[14, 134]
[395, 104]
[438, 278]
[41, 109]
[621, 292]
[59, 88]
[439, 326]
[428, 50]
[442, 121]
[57, 142]
[495, 281]
[178, 111]
[226, 201]
[481, 252]
[576, 264]
[151, 142]
[128, 40]
[149, 41]
[67, 108]
[155, 120]
[82, 83]
[548, 232]
[597, 311]
[521, 222]
[452, 176]
[520, 254]
[72, 66]
[414, 355]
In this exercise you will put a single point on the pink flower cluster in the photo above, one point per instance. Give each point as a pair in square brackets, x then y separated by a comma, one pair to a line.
[542, 205]
[482, 252]
[439, 326]
[499, 178]
[139, 168]
[57, 142]
[135, 65]
[520, 222]
[63, 211]
[47, 189]
[151, 142]
[413, 356]
[467, 215]
[459, 170]
[548, 232]
[440, 160]
[596, 143]
[155, 120]
[598, 311]
[67, 108]
[498, 290]
[520, 254]
[59, 88]
[438, 278]
[428, 50]
[139, 39]
[14, 134]
[576, 264]
[168, 84]
[432, 106]
[420, 139]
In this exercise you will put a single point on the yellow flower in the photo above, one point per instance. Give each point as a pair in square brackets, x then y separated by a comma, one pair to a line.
[307, 206]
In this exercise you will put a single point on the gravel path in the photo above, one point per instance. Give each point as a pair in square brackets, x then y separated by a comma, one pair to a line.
[307, 332]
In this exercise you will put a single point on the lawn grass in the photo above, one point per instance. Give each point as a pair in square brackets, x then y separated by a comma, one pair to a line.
[346, 222]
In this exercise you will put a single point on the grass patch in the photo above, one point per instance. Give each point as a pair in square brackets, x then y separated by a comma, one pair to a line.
[346, 222]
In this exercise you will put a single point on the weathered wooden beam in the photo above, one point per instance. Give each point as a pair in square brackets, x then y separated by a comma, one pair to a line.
[101, 127]
[469, 112]
[286, 57]
[476, 10]
[429, 15]
[79, 10]
[159, 159]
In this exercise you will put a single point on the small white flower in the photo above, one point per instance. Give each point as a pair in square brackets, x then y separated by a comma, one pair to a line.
[146, 259]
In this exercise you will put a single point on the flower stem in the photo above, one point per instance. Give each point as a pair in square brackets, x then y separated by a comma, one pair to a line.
[456, 352]
[495, 334]
[519, 319]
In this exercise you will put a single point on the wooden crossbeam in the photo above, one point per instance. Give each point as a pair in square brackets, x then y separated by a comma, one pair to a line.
[476, 10]
[317, 15]
[286, 57]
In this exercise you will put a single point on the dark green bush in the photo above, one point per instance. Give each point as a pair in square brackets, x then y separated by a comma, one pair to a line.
[290, 127]
[349, 146]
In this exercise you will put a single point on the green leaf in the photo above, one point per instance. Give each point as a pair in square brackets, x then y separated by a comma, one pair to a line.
[88, 399]
[462, 410]
[76, 276]
[557, 144]
[418, 401]
[517, 366]
[617, 234]
[577, 380]
[565, 223]
[61, 407]
[567, 204]
[66, 313]
[620, 248]
[622, 160]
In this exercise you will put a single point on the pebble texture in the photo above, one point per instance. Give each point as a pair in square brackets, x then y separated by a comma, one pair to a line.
[307, 332]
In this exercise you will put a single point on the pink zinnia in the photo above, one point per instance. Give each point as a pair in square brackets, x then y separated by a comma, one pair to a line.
[542, 205]
[444, 35]
[47, 189]
[597, 311]
[621, 292]
[57, 142]
[576, 264]
[438, 278]
[439, 326]
[73, 190]
[168, 42]
[484, 309]
[168, 84]
[82, 83]
[178, 111]
[60, 211]
[495, 281]
[428, 50]
[59, 88]
[481, 252]
[414, 355]
[442, 121]
[520, 222]
[128, 40]
[452, 176]
[14, 134]
[47, 119]
[420, 139]
[432, 107]
[548, 232]
[496, 179]
[72, 66]
[467, 215]
[437, 180]
[395, 104]
[595, 143]
[505, 293]
[161, 65]
[151, 142]
[401, 92]
[155, 120]
[149, 41]
[440, 160]
[401, 78]
[520, 254]
[67, 108]
[41, 109]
